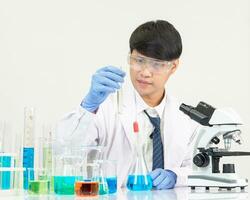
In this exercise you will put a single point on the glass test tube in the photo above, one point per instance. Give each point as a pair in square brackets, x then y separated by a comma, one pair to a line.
[18, 148]
[119, 98]
[28, 146]
[45, 148]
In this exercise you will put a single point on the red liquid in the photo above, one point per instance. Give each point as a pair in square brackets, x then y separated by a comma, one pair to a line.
[86, 188]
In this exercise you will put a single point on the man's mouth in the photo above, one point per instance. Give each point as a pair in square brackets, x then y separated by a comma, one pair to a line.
[142, 82]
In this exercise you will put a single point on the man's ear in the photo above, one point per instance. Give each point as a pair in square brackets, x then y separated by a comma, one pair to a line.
[175, 64]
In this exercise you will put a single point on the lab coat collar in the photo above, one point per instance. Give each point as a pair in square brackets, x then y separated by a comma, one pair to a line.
[152, 111]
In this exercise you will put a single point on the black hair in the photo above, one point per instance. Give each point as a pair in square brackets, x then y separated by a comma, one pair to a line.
[157, 39]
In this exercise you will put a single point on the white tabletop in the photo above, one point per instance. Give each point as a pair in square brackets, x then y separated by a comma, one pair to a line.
[183, 193]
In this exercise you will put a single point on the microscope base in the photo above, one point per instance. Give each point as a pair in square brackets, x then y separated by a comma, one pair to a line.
[222, 181]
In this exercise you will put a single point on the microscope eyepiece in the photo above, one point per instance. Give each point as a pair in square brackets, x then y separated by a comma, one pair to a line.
[202, 113]
[186, 108]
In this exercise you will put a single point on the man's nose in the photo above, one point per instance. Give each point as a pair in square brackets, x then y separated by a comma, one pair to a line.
[145, 70]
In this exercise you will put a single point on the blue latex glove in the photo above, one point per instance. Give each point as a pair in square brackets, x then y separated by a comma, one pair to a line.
[163, 179]
[105, 81]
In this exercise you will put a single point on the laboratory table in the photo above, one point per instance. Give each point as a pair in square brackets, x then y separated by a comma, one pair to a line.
[181, 193]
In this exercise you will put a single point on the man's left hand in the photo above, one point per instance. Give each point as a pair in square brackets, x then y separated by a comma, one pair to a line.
[163, 179]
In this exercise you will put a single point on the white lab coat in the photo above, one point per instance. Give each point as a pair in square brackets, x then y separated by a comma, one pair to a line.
[116, 133]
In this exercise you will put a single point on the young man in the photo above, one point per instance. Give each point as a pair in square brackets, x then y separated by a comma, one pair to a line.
[155, 48]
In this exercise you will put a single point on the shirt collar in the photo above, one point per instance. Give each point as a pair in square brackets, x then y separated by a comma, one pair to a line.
[152, 111]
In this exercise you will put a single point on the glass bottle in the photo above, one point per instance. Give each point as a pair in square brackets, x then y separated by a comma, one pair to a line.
[138, 178]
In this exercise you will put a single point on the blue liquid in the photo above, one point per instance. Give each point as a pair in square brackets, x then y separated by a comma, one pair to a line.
[103, 188]
[28, 162]
[103, 185]
[5, 161]
[112, 184]
[64, 185]
[139, 182]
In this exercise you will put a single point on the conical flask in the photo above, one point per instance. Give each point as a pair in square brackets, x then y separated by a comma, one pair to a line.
[138, 178]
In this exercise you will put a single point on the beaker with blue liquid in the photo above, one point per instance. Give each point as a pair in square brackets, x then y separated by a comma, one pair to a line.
[11, 181]
[138, 178]
[108, 176]
[11, 172]
[64, 174]
[6, 161]
[6, 158]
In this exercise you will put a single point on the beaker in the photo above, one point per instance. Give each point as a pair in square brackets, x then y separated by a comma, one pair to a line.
[138, 178]
[87, 180]
[64, 174]
[38, 181]
[6, 161]
[10, 155]
[108, 176]
[91, 154]
[14, 182]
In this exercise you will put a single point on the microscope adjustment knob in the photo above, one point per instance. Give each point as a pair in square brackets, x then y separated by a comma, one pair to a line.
[228, 168]
[201, 160]
[215, 140]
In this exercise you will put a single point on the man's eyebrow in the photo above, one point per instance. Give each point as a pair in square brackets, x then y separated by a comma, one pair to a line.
[141, 56]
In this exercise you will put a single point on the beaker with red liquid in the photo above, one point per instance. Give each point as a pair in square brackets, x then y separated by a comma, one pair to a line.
[87, 181]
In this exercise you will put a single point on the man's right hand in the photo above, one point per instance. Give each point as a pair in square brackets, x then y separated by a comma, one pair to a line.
[105, 81]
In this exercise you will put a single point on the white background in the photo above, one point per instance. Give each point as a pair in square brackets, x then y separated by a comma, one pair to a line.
[49, 50]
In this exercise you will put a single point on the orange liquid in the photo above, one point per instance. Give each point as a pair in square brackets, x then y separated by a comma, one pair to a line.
[86, 188]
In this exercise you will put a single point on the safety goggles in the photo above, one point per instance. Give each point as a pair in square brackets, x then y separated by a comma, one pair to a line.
[153, 65]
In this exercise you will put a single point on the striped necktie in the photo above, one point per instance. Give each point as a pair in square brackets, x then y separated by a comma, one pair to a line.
[158, 156]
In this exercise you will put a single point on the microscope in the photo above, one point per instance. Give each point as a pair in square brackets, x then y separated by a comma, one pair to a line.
[215, 124]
